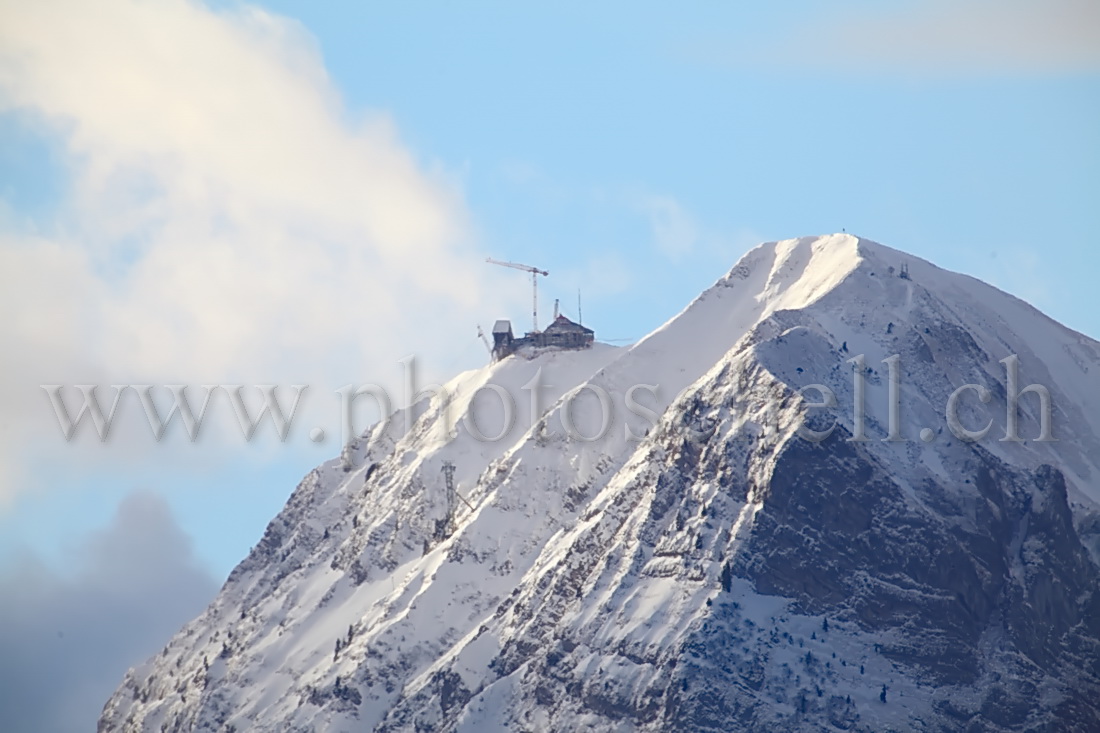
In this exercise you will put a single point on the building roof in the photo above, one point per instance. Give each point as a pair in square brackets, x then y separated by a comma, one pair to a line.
[502, 326]
[562, 324]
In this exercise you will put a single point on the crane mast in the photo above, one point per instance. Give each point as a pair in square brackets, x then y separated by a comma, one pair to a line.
[535, 272]
[481, 335]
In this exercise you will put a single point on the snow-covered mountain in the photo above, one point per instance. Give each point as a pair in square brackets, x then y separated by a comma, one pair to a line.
[717, 571]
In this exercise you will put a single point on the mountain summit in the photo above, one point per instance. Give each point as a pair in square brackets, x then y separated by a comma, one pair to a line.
[689, 534]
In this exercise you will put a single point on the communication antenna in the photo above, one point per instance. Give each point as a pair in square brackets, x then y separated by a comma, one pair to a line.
[449, 477]
[580, 318]
[452, 492]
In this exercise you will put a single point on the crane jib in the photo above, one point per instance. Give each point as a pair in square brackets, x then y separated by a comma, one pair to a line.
[535, 272]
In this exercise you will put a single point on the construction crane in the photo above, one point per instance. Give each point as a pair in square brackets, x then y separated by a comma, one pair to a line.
[484, 340]
[535, 272]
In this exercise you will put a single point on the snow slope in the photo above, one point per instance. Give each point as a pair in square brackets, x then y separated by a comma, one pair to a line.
[699, 566]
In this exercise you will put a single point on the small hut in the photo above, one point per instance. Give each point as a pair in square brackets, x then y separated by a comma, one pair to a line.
[502, 339]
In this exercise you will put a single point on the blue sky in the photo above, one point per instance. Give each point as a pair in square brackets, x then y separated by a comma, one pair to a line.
[305, 193]
[561, 124]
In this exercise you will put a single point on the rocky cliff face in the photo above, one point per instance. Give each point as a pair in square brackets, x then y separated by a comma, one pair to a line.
[720, 572]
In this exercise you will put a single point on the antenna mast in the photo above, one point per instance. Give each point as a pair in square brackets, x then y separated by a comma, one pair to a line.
[535, 272]
[449, 477]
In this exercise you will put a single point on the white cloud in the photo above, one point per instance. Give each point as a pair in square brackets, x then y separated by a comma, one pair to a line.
[684, 238]
[943, 38]
[675, 233]
[226, 219]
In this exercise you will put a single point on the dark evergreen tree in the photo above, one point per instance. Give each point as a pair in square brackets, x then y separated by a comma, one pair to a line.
[726, 578]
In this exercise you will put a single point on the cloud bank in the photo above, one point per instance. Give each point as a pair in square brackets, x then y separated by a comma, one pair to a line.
[66, 640]
[936, 38]
[225, 217]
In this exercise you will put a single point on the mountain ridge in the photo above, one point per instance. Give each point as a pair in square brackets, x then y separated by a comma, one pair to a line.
[661, 583]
